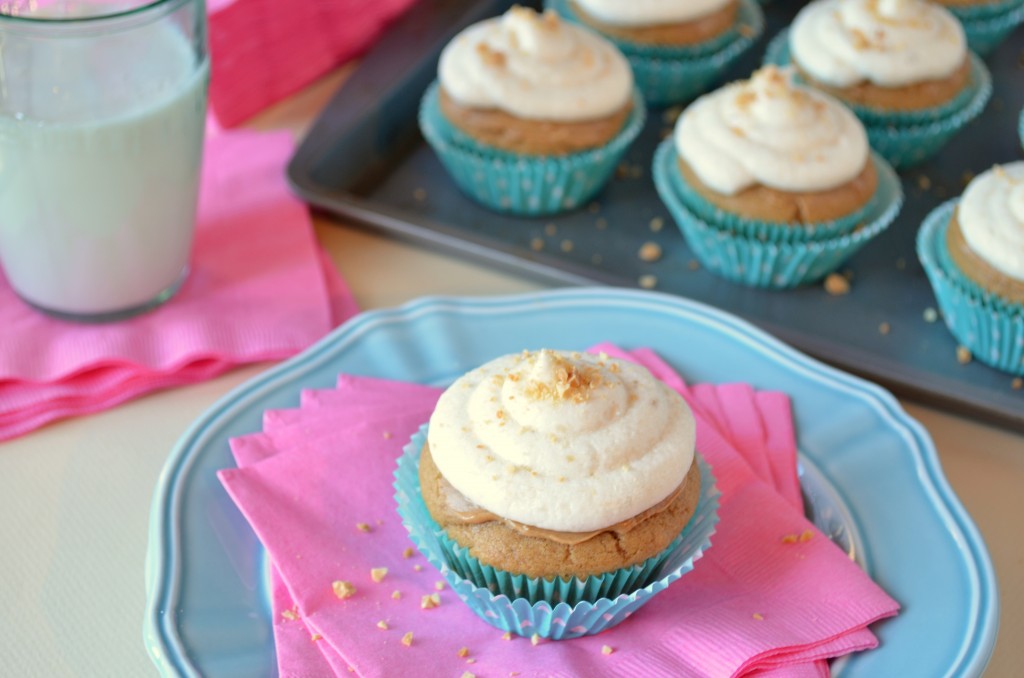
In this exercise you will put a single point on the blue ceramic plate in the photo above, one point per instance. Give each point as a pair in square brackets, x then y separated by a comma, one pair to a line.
[871, 473]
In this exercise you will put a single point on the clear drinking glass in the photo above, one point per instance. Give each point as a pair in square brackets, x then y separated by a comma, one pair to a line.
[102, 113]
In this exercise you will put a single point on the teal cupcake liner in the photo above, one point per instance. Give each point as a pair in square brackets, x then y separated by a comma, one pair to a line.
[906, 139]
[990, 327]
[631, 48]
[770, 264]
[672, 75]
[778, 54]
[556, 609]
[767, 231]
[525, 185]
[986, 32]
[983, 10]
[1020, 127]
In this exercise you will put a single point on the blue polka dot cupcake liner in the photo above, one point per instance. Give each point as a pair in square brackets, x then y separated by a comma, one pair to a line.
[557, 609]
[986, 31]
[768, 231]
[521, 184]
[768, 264]
[908, 138]
[670, 75]
[990, 327]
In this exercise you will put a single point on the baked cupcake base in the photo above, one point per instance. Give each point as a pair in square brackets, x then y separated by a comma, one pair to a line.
[557, 608]
[775, 256]
[673, 74]
[908, 138]
[522, 184]
[990, 327]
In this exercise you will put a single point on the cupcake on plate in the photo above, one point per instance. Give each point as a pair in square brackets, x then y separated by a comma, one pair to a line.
[558, 491]
[973, 252]
[986, 22]
[773, 183]
[530, 115]
[902, 65]
[678, 48]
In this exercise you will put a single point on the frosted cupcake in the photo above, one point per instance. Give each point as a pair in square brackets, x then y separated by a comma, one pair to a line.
[773, 183]
[973, 253]
[563, 478]
[678, 49]
[902, 65]
[530, 115]
[986, 22]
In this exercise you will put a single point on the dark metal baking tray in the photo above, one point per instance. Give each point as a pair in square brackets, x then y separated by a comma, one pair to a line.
[364, 159]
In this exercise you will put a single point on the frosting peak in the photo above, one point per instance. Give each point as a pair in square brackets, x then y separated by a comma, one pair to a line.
[890, 43]
[768, 131]
[649, 12]
[536, 66]
[562, 441]
[991, 216]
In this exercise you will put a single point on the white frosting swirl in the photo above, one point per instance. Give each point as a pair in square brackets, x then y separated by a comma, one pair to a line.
[991, 216]
[770, 132]
[562, 441]
[890, 43]
[536, 67]
[649, 12]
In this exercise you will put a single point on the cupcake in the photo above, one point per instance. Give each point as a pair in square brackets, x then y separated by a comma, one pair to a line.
[986, 22]
[678, 50]
[902, 65]
[530, 115]
[773, 183]
[973, 253]
[556, 484]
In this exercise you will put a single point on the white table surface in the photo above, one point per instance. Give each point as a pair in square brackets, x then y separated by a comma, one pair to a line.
[75, 496]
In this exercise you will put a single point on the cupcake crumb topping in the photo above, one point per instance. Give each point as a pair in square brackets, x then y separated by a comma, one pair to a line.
[343, 589]
[555, 378]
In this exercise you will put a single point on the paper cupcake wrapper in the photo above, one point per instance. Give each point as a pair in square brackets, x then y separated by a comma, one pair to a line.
[983, 10]
[672, 75]
[525, 185]
[989, 326]
[631, 48]
[556, 609]
[769, 264]
[1020, 127]
[778, 54]
[986, 32]
[768, 231]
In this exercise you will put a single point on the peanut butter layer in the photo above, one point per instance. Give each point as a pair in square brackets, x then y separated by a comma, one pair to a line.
[679, 34]
[769, 204]
[532, 137]
[916, 97]
[523, 549]
[979, 270]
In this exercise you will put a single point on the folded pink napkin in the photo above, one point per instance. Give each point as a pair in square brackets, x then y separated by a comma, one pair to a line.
[260, 288]
[757, 603]
[263, 50]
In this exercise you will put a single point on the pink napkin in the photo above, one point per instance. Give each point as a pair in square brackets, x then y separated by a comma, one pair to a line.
[755, 603]
[263, 50]
[260, 288]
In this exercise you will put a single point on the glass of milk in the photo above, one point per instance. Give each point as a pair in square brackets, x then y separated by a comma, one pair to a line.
[102, 112]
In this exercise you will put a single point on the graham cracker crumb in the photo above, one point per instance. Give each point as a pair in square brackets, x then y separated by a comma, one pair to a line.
[377, 574]
[396, 595]
[408, 552]
[837, 285]
[467, 674]
[363, 527]
[670, 114]
[471, 661]
[807, 535]
[439, 585]
[387, 435]
[407, 639]
[566, 246]
[789, 539]
[382, 625]
[924, 182]
[693, 264]
[291, 615]
[343, 589]
[420, 194]
[607, 649]
[1017, 383]
[535, 639]
[463, 652]
[550, 230]
[901, 263]
[963, 355]
[758, 616]
[648, 282]
[930, 315]
[489, 56]
[650, 251]
[657, 223]
[430, 601]
[418, 568]
[315, 637]
[537, 244]
[746, 30]
[507, 635]
[884, 328]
